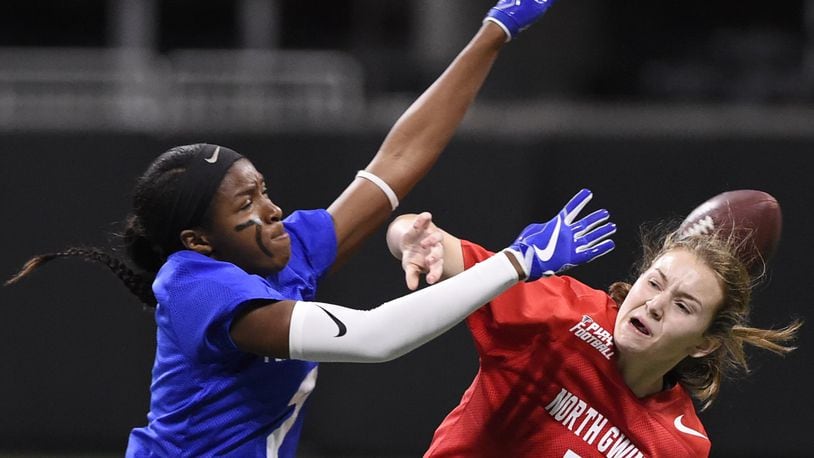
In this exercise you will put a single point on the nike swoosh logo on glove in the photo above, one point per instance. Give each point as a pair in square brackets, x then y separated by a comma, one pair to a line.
[546, 253]
[686, 429]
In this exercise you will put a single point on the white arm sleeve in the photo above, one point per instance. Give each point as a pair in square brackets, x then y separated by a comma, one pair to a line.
[331, 333]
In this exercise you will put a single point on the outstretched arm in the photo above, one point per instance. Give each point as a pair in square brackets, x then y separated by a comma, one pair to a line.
[416, 140]
[542, 249]
[328, 332]
[406, 155]
[323, 331]
[414, 143]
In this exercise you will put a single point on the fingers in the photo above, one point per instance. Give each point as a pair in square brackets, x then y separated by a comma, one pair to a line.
[422, 222]
[595, 237]
[586, 224]
[416, 238]
[419, 234]
[423, 252]
[576, 204]
[597, 251]
[411, 275]
[435, 263]
[430, 241]
[433, 267]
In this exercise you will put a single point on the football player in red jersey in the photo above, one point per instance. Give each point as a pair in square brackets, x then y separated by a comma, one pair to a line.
[567, 370]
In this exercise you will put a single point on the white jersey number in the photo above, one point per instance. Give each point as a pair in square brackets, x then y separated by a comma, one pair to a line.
[275, 439]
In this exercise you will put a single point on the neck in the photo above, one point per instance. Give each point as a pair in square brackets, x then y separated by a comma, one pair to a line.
[643, 378]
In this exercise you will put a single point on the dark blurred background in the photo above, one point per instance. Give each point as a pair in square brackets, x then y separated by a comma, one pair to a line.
[656, 106]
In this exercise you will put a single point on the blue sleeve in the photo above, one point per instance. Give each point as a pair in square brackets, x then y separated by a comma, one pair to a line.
[313, 252]
[198, 299]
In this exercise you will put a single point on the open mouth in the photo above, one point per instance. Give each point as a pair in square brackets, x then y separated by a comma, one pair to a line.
[640, 326]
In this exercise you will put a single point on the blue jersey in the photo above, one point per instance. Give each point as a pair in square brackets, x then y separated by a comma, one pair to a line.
[208, 397]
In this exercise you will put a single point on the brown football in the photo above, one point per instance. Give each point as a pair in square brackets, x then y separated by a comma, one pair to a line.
[751, 213]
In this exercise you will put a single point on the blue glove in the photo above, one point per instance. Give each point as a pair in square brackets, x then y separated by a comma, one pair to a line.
[550, 248]
[514, 16]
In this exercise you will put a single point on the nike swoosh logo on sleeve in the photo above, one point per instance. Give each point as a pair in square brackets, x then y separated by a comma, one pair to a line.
[546, 253]
[686, 429]
[339, 324]
[214, 157]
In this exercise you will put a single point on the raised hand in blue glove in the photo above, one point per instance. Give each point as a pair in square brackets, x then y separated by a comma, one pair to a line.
[552, 247]
[514, 16]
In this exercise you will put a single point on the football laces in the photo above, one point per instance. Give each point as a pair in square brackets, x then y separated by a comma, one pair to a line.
[703, 226]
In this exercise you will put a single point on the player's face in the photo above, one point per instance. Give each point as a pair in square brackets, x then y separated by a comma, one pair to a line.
[245, 226]
[664, 316]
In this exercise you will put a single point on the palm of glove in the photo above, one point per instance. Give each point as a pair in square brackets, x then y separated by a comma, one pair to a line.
[559, 244]
[517, 15]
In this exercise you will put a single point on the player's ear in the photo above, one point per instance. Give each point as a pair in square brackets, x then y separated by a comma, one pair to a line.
[196, 241]
[709, 345]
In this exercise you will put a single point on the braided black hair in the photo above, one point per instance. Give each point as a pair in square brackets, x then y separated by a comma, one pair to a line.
[142, 237]
[140, 284]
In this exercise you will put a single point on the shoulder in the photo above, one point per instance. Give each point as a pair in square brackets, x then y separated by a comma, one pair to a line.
[474, 253]
[592, 299]
[313, 252]
[312, 235]
[315, 217]
[186, 265]
[309, 222]
[676, 411]
[568, 291]
[190, 274]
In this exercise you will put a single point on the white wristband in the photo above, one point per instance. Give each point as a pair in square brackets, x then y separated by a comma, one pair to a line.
[386, 189]
[499, 24]
[331, 333]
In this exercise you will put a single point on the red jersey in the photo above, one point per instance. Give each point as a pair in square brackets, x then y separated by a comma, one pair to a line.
[548, 385]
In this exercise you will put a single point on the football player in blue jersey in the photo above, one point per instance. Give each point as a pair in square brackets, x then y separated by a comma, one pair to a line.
[232, 281]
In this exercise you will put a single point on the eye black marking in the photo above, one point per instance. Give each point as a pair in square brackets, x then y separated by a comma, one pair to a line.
[258, 234]
[248, 223]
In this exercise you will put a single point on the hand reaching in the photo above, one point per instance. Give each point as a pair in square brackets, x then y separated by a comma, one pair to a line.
[422, 251]
[555, 246]
[514, 16]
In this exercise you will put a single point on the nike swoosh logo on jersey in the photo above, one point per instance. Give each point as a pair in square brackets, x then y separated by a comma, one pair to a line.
[339, 324]
[546, 253]
[686, 429]
[214, 157]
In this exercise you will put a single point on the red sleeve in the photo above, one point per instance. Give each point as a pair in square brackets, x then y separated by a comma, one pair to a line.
[526, 310]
